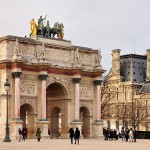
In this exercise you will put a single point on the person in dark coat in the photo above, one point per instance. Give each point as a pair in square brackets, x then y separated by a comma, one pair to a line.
[71, 132]
[23, 134]
[127, 134]
[38, 134]
[77, 135]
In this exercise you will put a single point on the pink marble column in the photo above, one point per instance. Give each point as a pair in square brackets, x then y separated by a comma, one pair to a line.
[77, 98]
[43, 77]
[98, 98]
[16, 75]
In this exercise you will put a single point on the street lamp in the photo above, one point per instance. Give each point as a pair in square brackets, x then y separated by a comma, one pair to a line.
[7, 88]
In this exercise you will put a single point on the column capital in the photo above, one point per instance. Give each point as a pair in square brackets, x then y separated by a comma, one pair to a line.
[43, 76]
[16, 74]
[98, 82]
[76, 80]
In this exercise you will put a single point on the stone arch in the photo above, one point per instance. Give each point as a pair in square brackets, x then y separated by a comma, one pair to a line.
[53, 80]
[85, 118]
[57, 109]
[26, 114]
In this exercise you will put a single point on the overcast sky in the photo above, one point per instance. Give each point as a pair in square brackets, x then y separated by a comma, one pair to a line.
[104, 24]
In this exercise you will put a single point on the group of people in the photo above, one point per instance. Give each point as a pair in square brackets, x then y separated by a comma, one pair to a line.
[126, 134]
[110, 134]
[22, 134]
[74, 135]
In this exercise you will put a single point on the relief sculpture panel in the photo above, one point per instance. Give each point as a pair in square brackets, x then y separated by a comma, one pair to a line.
[86, 92]
[86, 89]
[85, 58]
[61, 55]
[28, 88]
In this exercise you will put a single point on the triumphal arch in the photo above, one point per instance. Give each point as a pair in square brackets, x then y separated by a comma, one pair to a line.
[53, 85]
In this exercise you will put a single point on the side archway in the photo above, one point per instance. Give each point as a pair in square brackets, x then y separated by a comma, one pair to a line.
[26, 114]
[85, 118]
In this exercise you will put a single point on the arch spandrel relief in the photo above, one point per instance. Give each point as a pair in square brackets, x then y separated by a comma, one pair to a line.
[88, 105]
[66, 82]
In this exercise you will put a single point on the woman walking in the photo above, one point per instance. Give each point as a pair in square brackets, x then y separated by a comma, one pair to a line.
[38, 134]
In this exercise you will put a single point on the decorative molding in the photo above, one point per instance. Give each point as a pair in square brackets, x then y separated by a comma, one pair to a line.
[29, 77]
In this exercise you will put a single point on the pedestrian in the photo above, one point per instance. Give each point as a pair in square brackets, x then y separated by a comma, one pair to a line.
[131, 135]
[71, 132]
[127, 134]
[23, 134]
[38, 134]
[20, 135]
[117, 134]
[123, 134]
[26, 131]
[77, 135]
[49, 132]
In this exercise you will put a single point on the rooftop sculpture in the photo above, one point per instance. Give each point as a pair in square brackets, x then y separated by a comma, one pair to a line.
[46, 31]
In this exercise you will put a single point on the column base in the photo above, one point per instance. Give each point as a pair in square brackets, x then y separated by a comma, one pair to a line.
[97, 129]
[43, 125]
[15, 124]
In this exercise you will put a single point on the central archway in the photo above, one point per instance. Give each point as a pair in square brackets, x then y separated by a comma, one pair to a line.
[57, 110]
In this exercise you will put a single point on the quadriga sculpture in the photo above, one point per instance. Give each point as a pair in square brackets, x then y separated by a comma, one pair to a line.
[46, 31]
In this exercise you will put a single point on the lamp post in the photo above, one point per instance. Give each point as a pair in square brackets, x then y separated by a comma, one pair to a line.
[7, 88]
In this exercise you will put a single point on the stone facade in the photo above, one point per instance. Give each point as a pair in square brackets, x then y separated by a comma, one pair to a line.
[128, 92]
[52, 87]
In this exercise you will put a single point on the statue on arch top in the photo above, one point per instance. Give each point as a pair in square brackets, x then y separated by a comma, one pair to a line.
[33, 27]
[41, 25]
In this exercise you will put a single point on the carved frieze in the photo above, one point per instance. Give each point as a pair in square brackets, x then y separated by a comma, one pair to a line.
[86, 83]
[28, 88]
[29, 77]
[28, 50]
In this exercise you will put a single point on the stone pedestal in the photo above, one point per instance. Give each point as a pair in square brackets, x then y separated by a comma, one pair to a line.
[97, 129]
[15, 124]
[43, 125]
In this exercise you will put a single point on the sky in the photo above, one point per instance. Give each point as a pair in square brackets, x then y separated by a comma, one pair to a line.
[97, 24]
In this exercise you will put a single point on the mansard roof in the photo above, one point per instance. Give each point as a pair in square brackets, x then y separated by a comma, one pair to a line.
[133, 67]
[133, 56]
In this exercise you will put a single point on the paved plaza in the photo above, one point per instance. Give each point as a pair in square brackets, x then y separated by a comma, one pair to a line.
[64, 144]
